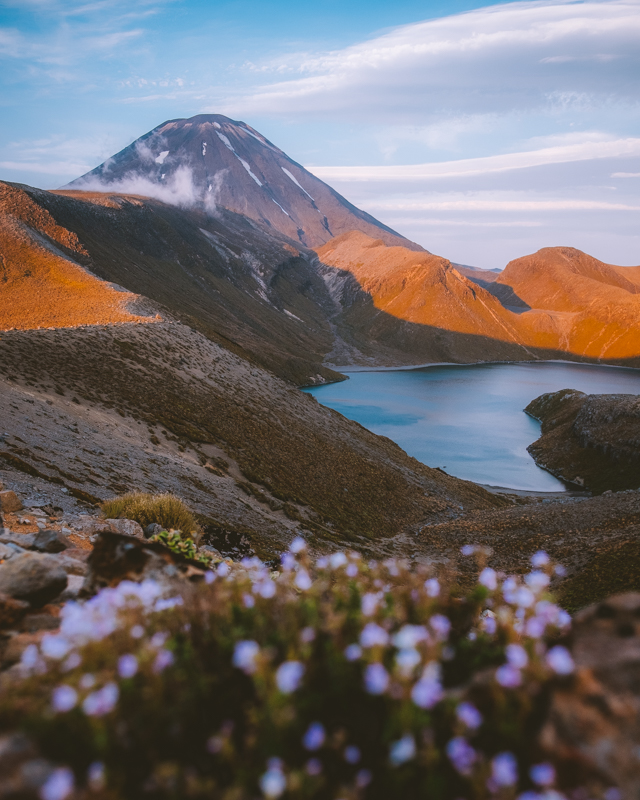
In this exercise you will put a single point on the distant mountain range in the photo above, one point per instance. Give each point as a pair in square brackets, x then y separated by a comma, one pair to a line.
[210, 161]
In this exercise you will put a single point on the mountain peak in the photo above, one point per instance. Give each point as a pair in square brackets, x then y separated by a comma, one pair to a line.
[212, 161]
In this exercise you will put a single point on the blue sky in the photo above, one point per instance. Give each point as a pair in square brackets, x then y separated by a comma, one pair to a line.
[482, 131]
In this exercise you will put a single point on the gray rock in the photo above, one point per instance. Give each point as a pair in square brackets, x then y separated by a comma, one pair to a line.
[74, 585]
[8, 551]
[71, 565]
[127, 527]
[34, 577]
[50, 541]
[23, 540]
[152, 529]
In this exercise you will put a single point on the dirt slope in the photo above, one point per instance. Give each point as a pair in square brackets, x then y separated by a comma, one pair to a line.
[41, 281]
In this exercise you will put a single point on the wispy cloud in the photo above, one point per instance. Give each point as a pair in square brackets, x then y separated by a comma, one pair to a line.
[493, 60]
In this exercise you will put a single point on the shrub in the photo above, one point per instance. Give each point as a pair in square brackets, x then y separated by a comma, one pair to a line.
[339, 679]
[166, 509]
[183, 547]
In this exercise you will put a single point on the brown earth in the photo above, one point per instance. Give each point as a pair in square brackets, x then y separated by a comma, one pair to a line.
[590, 440]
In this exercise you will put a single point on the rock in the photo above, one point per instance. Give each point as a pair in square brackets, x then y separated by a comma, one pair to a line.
[152, 529]
[12, 611]
[74, 562]
[9, 501]
[23, 540]
[117, 557]
[127, 527]
[74, 587]
[34, 577]
[90, 525]
[8, 551]
[50, 541]
[593, 723]
[41, 622]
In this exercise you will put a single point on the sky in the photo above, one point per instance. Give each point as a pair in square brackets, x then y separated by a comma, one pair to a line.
[482, 131]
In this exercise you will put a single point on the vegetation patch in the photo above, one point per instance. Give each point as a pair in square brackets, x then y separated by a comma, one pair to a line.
[166, 510]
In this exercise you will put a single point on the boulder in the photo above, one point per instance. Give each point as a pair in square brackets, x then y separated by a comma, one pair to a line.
[34, 577]
[8, 551]
[152, 529]
[9, 501]
[593, 723]
[126, 527]
[23, 540]
[50, 541]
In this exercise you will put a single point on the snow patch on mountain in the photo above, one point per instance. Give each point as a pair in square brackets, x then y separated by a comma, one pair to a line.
[280, 207]
[289, 175]
[225, 141]
[160, 158]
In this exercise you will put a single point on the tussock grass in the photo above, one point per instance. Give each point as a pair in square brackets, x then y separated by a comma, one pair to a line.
[165, 509]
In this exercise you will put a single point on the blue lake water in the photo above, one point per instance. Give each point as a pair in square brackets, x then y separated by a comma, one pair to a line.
[469, 420]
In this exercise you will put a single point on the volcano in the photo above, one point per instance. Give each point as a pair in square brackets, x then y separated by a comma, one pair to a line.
[211, 161]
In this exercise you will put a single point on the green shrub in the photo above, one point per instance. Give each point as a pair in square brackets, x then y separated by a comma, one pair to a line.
[184, 547]
[339, 679]
[166, 510]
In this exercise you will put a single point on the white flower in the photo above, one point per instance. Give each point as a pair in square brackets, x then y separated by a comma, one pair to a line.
[307, 635]
[170, 602]
[266, 588]
[432, 587]
[303, 581]
[127, 666]
[560, 661]
[376, 679]
[352, 570]
[488, 622]
[407, 660]
[539, 559]
[54, 646]
[63, 698]
[209, 576]
[352, 754]
[369, 603]
[516, 656]
[314, 736]
[223, 569]
[337, 560]
[158, 639]
[468, 549]
[298, 545]
[95, 776]
[245, 654]
[488, 578]
[402, 750]
[427, 692]
[461, 755]
[508, 676]
[289, 676]
[469, 715]
[543, 774]
[537, 581]
[373, 635]
[352, 652]
[441, 626]
[273, 782]
[248, 600]
[101, 702]
[410, 635]
[288, 562]
[87, 681]
[72, 661]
[58, 785]
[504, 770]
[137, 631]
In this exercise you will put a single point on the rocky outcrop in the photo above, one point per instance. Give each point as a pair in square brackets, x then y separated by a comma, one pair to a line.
[592, 441]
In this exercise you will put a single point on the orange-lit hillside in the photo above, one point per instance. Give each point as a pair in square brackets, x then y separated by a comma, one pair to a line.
[41, 283]
[570, 301]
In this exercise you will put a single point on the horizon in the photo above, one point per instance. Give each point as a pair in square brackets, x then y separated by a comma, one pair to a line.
[483, 134]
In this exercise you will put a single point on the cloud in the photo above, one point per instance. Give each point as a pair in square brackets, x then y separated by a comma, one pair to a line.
[519, 56]
[561, 154]
[57, 155]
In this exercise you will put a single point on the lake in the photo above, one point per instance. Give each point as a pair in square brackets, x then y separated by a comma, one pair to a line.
[469, 420]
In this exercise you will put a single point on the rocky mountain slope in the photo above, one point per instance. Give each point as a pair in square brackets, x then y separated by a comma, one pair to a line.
[558, 302]
[211, 161]
[591, 440]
